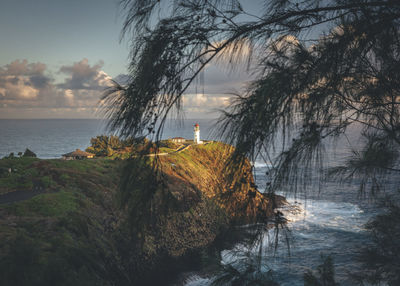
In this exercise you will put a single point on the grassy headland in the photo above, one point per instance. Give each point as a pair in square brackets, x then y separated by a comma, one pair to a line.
[115, 222]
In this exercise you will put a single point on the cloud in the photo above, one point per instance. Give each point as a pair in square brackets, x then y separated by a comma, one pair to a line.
[16, 88]
[123, 79]
[22, 68]
[31, 88]
[200, 105]
[220, 81]
[205, 101]
[21, 80]
[83, 76]
[28, 86]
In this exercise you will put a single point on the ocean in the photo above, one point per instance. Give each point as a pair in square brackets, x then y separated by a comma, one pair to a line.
[50, 138]
[331, 220]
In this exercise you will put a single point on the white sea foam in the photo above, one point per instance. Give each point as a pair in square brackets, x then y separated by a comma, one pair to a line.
[258, 164]
[316, 226]
[339, 216]
[197, 280]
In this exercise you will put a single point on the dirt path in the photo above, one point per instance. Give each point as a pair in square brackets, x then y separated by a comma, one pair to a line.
[17, 196]
[181, 149]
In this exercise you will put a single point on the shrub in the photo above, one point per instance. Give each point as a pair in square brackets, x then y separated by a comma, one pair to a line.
[167, 144]
[29, 153]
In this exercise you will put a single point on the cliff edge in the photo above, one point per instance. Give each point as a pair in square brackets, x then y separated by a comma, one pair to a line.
[121, 222]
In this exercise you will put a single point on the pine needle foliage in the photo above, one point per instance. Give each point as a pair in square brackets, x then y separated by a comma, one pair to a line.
[249, 275]
[319, 67]
[380, 261]
[325, 275]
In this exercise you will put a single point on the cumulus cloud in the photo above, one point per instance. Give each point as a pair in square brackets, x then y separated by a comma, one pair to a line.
[25, 85]
[198, 105]
[22, 80]
[215, 90]
[83, 76]
[23, 68]
[74, 90]
[205, 101]
[16, 88]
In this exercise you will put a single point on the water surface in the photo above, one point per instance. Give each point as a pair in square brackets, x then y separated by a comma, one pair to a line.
[331, 221]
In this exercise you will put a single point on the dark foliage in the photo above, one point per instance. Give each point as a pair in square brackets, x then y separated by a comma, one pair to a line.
[138, 185]
[29, 262]
[29, 153]
[306, 90]
[325, 275]
[103, 145]
[249, 274]
[381, 260]
[10, 156]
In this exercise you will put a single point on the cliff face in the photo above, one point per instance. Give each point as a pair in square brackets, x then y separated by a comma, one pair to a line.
[106, 229]
[207, 169]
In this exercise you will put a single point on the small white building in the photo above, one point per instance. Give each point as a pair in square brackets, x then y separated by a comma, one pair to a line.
[197, 134]
[178, 140]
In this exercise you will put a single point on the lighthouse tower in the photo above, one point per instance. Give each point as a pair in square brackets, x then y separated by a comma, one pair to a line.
[197, 134]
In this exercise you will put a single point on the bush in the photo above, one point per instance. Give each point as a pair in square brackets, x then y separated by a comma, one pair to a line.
[10, 156]
[104, 145]
[29, 262]
[29, 153]
[47, 181]
[167, 144]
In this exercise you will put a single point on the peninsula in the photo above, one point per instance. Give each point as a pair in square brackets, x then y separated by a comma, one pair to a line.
[121, 222]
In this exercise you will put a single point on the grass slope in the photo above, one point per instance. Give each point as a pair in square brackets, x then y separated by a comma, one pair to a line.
[92, 228]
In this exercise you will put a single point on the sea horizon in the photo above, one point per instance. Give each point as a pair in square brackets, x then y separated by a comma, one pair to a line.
[50, 138]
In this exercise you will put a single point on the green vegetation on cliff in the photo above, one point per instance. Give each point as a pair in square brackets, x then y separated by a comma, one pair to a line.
[115, 147]
[51, 238]
[112, 222]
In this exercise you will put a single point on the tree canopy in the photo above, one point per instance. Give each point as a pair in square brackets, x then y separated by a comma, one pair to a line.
[28, 153]
[318, 68]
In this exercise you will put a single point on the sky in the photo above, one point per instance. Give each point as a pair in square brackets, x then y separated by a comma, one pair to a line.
[57, 57]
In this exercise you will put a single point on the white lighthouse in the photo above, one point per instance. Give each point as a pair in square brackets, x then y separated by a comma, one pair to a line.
[197, 134]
